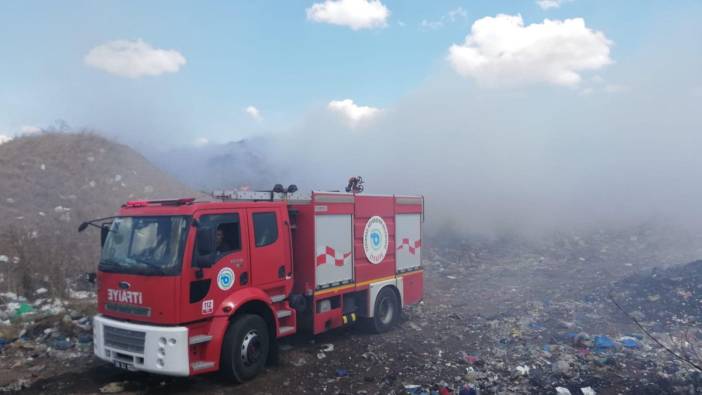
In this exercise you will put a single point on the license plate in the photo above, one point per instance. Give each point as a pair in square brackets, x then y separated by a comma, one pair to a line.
[124, 365]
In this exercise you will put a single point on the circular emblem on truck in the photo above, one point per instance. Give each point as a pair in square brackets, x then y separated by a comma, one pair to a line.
[225, 279]
[375, 239]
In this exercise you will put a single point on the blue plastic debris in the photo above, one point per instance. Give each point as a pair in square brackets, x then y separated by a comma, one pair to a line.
[629, 342]
[414, 389]
[60, 344]
[535, 325]
[467, 390]
[603, 343]
[342, 372]
[3, 342]
[85, 338]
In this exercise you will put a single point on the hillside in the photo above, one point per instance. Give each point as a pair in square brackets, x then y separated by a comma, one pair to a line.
[51, 182]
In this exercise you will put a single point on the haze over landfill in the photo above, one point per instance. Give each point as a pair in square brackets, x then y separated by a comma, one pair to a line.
[556, 143]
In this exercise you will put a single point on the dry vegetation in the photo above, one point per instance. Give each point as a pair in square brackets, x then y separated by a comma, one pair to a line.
[51, 182]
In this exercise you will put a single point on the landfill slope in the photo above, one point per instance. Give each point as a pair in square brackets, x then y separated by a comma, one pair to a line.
[50, 182]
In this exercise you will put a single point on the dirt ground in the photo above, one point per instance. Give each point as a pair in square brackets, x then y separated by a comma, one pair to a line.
[501, 316]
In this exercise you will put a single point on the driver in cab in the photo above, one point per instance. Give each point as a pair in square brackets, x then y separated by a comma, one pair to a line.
[222, 244]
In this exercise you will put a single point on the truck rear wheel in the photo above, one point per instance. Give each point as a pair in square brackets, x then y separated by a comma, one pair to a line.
[245, 348]
[386, 311]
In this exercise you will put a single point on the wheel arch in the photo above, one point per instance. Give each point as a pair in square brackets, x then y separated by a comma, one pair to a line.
[375, 289]
[252, 301]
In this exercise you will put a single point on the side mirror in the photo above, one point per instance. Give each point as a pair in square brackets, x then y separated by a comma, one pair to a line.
[205, 247]
[104, 231]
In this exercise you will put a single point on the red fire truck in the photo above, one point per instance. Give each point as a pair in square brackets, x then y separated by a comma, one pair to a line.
[188, 287]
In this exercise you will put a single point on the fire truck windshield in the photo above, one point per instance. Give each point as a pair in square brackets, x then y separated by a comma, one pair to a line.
[145, 245]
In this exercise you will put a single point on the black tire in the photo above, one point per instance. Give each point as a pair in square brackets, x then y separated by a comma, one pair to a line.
[245, 348]
[386, 311]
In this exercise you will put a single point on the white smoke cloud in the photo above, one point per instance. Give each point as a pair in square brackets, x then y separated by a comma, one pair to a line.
[543, 160]
[254, 113]
[356, 14]
[201, 141]
[352, 112]
[134, 59]
[29, 129]
[4, 138]
[502, 51]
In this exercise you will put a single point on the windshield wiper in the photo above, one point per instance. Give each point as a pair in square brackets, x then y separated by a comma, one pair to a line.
[110, 262]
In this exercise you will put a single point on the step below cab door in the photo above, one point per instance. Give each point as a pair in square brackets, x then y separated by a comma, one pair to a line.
[205, 288]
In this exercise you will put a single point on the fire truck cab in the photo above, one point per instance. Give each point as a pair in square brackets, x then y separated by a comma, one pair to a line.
[188, 287]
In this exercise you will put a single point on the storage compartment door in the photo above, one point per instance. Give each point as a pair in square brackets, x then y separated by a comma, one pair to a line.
[408, 242]
[334, 255]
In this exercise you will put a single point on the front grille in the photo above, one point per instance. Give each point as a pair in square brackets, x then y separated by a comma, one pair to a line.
[124, 339]
[128, 309]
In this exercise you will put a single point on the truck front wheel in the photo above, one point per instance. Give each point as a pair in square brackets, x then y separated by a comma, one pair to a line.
[245, 348]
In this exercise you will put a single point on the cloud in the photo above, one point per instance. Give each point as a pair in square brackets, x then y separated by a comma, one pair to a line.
[134, 59]
[456, 14]
[351, 112]
[253, 113]
[4, 138]
[28, 129]
[452, 16]
[431, 25]
[356, 14]
[502, 51]
[550, 4]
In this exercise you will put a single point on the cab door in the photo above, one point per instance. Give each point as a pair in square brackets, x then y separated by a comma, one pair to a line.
[205, 288]
[269, 243]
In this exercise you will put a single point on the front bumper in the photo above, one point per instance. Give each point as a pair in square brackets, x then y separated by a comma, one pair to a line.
[149, 348]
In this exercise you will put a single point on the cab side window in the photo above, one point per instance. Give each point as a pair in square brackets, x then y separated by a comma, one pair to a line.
[227, 231]
[265, 228]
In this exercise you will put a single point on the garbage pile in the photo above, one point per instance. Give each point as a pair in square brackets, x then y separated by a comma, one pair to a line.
[43, 332]
[565, 338]
[664, 299]
[498, 317]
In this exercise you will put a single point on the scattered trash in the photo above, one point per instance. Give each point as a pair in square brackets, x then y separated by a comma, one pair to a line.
[562, 391]
[114, 387]
[629, 342]
[471, 359]
[523, 370]
[603, 343]
[588, 391]
[61, 344]
[467, 390]
[327, 347]
[342, 372]
[23, 308]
